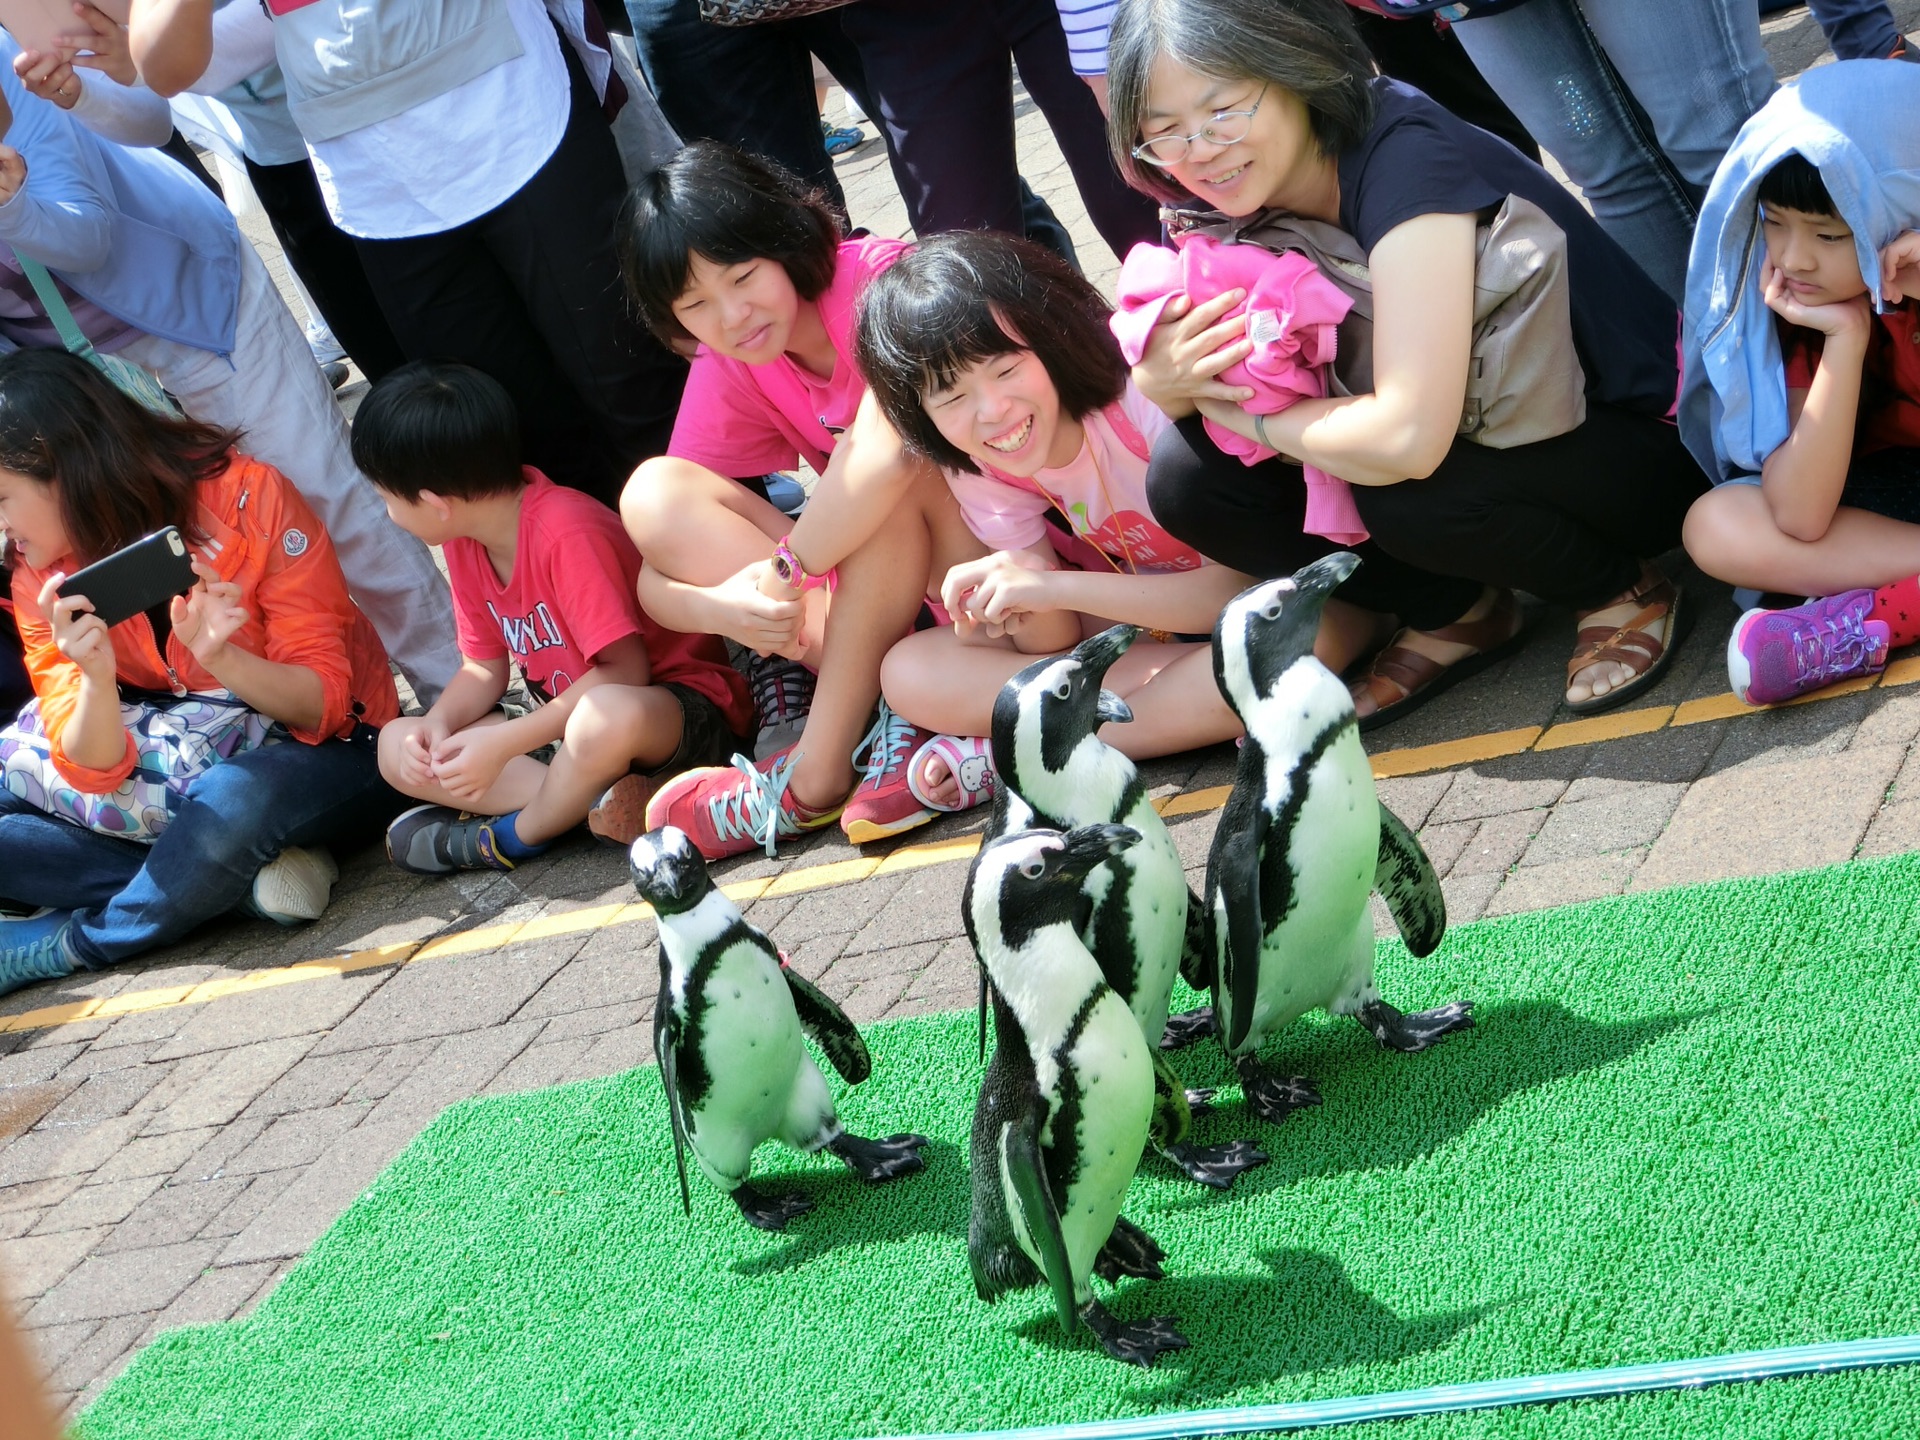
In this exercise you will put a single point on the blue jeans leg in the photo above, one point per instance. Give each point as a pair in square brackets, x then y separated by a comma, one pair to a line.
[1637, 100]
[237, 817]
[44, 861]
[1857, 29]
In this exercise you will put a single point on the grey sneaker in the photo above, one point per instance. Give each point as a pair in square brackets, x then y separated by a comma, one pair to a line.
[782, 691]
[294, 886]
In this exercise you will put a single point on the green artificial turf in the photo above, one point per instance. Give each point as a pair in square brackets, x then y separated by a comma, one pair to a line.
[1686, 1125]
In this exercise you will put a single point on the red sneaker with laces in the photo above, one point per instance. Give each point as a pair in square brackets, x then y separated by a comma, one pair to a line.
[731, 809]
[883, 803]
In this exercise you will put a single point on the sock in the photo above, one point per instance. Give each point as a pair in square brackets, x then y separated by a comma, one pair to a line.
[1899, 605]
[509, 841]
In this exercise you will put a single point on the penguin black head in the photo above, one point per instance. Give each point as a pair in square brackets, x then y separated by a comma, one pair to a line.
[1032, 878]
[668, 872]
[1269, 626]
[1058, 700]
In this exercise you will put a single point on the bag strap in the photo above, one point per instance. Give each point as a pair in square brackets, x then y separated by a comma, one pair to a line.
[71, 334]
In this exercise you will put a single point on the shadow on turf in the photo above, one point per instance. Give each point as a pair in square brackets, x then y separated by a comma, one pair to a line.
[846, 1211]
[1248, 1330]
[1384, 1110]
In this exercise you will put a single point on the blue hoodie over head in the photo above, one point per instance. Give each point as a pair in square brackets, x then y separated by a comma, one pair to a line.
[1858, 122]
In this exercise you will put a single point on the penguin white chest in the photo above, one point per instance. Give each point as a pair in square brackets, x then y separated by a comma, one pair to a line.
[1322, 948]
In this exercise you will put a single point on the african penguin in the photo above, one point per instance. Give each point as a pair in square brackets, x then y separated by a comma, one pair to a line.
[726, 1033]
[1053, 764]
[1066, 1104]
[1302, 842]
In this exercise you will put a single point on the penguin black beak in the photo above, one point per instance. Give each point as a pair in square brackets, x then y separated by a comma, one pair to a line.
[1325, 575]
[1097, 653]
[1090, 845]
[1110, 707]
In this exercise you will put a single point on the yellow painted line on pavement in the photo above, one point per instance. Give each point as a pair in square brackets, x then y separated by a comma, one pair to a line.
[1411, 760]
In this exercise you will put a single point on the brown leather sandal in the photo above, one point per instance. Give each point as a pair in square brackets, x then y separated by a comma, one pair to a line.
[1658, 598]
[1399, 679]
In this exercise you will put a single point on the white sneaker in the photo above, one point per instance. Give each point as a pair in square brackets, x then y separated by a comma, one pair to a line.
[294, 886]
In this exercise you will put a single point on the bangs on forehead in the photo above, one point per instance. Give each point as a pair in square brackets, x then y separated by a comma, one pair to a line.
[955, 331]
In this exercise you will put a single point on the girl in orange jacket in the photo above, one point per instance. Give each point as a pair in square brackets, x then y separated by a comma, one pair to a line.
[84, 471]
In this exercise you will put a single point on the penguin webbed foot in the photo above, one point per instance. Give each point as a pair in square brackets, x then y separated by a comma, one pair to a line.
[1216, 1165]
[1200, 1102]
[1407, 1033]
[1183, 1030]
[877, 1161]
[1272, 1096]
[1129, 1251]
[769, 1212]
[1138, 1342]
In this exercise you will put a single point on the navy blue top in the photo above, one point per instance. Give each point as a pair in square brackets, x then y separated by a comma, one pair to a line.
[1420, 159]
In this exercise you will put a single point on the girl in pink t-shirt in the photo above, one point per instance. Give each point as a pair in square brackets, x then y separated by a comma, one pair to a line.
[728, 253]
[993, 358]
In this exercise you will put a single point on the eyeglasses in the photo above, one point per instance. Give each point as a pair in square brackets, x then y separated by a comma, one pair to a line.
[1227, 127]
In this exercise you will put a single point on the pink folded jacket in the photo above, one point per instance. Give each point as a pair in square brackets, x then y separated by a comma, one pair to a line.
[1292, 311]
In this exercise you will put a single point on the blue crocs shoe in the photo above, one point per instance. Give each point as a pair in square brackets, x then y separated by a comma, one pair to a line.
[34, 949]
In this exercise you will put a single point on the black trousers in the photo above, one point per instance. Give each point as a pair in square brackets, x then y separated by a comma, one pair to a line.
[1567, 519]
[328, 263]
[940, 76]
[1429, 58]
[531, 293]
[749, 86]
[15, 688]
[1249, 517]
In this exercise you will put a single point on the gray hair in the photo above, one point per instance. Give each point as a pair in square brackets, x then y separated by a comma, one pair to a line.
[1307, 47]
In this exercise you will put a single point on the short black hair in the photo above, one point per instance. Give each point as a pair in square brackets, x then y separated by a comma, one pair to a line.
[713, 200]
[1794, 183]
[1309, 48]
[440, 426]
[971, 295]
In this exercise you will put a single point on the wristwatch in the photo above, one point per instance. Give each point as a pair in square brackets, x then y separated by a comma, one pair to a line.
[788, 569]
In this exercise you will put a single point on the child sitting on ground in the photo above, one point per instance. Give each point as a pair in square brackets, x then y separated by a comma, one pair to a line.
[993, 358]
[544, 577]
[1834, 511]
[730, 252]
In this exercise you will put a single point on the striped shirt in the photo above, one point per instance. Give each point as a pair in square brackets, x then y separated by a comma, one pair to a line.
[1086, 22]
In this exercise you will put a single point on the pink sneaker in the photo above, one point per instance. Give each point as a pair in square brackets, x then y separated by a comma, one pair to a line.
[883, 803]
[730, 809]
[1774, 655]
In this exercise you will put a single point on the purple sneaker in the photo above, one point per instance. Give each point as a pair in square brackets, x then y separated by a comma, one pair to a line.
[1774, 655]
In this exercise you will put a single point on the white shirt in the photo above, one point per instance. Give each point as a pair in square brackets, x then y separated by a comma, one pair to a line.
[446, 161]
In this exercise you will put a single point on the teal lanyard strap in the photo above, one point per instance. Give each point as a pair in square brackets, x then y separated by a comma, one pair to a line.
[56, 307]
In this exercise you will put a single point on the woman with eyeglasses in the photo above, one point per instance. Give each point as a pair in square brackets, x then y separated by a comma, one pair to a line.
[1267, 120]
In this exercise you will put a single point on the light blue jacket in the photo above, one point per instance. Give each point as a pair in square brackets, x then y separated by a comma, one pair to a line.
[129, 229]
[1858, 121]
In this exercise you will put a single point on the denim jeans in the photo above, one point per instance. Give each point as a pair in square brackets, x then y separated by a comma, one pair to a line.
[1637, 100]
[1857, 29]
[129, 898]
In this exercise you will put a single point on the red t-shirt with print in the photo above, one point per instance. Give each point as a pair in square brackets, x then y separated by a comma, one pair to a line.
[570, 597]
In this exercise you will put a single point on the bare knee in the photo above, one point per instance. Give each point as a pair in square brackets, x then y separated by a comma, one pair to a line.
[1725, 532]
[653, 493]
[393, 736]
[613, 726]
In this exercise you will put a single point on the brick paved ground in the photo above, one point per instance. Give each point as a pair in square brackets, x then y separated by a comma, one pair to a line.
[166, 1165]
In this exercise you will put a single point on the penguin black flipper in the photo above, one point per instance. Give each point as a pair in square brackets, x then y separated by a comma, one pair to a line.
[993, 1252]
[663, 1050]
[1237, 872]
[1196, 950]
[1026, 1171]
[1405, 879]
[828, 1026]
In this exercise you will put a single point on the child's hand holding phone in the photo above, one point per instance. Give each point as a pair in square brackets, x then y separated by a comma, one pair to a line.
[78, 633]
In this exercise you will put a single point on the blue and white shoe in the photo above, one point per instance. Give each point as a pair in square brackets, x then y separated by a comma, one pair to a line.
[35, 949]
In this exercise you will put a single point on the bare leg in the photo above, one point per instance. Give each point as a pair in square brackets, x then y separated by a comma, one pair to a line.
[1731, 534]
[612, 729]
[520, 778]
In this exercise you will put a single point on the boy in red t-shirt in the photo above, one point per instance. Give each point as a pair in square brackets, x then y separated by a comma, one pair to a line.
[543, 578]
[1835, 510]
